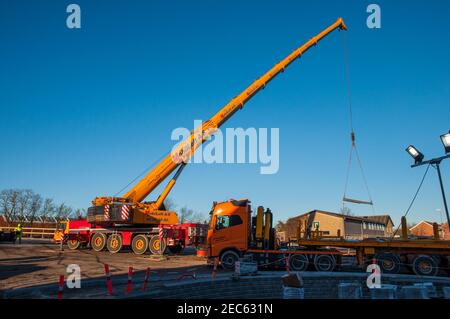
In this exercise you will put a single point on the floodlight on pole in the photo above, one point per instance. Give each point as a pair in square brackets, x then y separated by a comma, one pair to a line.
[415, 154]
[445, 138]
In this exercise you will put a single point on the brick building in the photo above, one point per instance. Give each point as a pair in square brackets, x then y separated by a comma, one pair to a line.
[350, 227]
[425, 229]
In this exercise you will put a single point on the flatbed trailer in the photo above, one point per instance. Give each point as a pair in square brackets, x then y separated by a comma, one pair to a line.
[423, 257]
[234, 232]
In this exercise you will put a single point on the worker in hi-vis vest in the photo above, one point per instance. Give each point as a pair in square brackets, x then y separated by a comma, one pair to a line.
[18, 231]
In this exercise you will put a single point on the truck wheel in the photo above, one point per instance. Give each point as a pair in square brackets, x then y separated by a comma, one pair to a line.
[114, 243]
[73, 244]
[324, 263]
[176, 249]
[298, 262]
[98, 241]
[388, 262]
[228, 259]
[155, 245]
[139, 245]
[424, 265]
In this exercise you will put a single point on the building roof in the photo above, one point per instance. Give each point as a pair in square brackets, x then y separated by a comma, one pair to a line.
[346, 217]
[381, 218]
[423, 222]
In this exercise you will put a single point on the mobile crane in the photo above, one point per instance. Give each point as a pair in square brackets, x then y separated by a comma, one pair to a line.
[128, 220]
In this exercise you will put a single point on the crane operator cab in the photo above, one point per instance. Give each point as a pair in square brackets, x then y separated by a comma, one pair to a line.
[233, 231]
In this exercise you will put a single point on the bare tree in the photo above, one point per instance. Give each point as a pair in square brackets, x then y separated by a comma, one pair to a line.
[63, 211]
[280, 226]
[185, 214]
[346, 211]
[198, 217]
[169, 204]
[80, 213]
[48, 208]
[8, 203]
[23, 202]
[35, 206]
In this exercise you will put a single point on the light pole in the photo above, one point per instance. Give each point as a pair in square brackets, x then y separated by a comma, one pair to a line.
[435, 162]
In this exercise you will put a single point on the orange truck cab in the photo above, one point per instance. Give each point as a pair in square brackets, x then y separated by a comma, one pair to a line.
[234, 232]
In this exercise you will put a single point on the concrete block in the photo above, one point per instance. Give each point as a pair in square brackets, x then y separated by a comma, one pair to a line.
[432, 293]
[349, 291]
[414, 292]
[293, 293]
[385, 292]
[446, 291]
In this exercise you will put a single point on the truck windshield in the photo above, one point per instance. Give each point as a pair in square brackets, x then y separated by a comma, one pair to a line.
[227, 221]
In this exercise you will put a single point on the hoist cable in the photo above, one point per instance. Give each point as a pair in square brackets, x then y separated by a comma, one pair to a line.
[142, 173]
[414, 198]
[353, 148]
[347, 76]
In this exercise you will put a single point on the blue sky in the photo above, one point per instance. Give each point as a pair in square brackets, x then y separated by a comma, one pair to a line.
[85, 111]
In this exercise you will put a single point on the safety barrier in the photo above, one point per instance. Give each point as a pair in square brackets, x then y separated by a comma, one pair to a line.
[33, 232]
[60, 287]
[130, 280]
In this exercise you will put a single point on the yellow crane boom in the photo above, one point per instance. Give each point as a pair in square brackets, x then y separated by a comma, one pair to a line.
[181, 155]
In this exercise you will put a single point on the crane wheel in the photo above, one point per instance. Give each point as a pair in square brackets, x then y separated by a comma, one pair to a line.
[298, 262]
[73, 244]
[139, 245]
[424, 265]
[156, 246]
[228, 259]
[324, 263]
[98, 241]
[388, 262]
[114, 243]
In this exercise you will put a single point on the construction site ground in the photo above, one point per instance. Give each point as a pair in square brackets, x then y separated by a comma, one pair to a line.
[40, 262]
[35, 264]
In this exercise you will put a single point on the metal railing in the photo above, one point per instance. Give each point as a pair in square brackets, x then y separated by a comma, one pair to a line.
[32, 232]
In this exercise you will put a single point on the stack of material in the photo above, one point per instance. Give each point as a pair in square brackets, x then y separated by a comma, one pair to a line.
[293, 286]
[246, 266]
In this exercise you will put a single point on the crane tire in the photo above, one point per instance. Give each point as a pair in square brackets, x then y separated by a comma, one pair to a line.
[139, 244]
[155, 245]
[73, 244]
[114, 243]
[98, 241]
